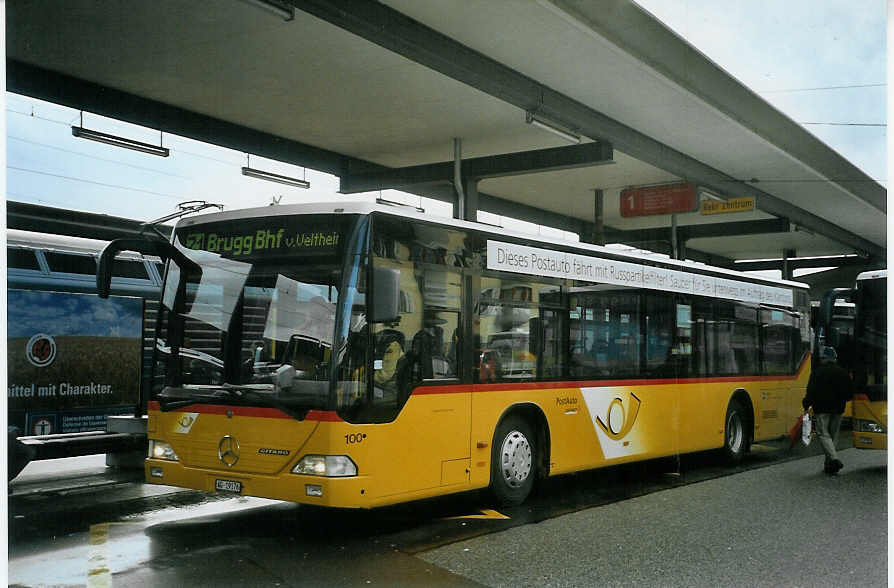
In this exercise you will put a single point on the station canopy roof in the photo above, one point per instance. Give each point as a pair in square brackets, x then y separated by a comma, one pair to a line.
[376, 93]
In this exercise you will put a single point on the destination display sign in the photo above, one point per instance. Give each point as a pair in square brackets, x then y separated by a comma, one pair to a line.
[726, 206]
[263, 237]
[534, 261]
[665, 199]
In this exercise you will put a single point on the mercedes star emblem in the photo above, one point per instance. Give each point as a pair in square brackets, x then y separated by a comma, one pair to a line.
[228, 451]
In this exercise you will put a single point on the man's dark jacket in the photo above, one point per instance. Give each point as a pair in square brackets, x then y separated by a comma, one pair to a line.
[828, 389]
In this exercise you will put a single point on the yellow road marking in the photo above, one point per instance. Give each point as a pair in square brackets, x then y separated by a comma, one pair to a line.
[98, 574]
[485, 514]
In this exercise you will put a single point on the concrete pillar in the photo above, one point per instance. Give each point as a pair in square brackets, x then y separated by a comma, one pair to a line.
[134, 426]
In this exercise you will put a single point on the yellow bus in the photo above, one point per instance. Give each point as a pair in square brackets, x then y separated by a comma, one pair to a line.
[356, 355]
[860, 336]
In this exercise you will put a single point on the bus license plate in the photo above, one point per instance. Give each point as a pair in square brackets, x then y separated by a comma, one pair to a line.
[228, 485]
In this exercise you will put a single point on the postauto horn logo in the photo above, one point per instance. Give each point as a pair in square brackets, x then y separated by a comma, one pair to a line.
[613, 412]
[41, 350]
[618, 424]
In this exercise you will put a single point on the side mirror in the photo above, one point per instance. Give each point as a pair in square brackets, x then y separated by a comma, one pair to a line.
[155, 247]
[385, 295]
[827, 308]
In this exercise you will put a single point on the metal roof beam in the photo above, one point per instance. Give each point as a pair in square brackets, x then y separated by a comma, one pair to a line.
[753, 227]
[627, 25]
[802, 263]
[83, 95]
[735, 229]
[478, 168]
[58, 221]
[659, 243]
[405, 36]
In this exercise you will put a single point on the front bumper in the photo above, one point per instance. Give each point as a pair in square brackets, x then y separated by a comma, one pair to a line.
[321, 491]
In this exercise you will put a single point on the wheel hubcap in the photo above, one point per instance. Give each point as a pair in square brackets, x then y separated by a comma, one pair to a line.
[735, 434]
[516, 459]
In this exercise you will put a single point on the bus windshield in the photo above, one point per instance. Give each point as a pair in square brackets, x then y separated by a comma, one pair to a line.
[250, 316]
[870, 333]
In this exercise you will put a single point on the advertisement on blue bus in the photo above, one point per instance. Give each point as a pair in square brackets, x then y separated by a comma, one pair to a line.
[72, 359]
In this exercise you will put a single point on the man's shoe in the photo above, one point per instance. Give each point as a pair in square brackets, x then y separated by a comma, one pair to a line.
[836, 466]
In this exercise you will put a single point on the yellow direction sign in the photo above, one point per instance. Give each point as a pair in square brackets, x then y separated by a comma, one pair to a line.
[726, 206]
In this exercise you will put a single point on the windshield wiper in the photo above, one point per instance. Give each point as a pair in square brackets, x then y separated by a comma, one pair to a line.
[252, 394]
[223, 392]
[181, 397]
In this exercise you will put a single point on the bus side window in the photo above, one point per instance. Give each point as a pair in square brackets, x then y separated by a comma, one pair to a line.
[18, 258]
[70, 263]
[659, 335]
[127, 268]
[776, 341]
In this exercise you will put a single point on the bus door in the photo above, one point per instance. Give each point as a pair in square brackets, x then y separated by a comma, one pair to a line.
[774, 411]
[426, 415]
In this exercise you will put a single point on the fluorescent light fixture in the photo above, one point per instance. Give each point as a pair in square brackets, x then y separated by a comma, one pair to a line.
[278, 7]
[263, 175]
[120, 141]
[805, 258]
[537, 121]
[381, 200]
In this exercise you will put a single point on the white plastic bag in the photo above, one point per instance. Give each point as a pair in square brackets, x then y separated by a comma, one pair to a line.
[806, 428]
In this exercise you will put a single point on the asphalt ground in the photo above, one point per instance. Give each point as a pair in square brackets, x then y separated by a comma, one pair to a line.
[680, 521]
[56, 497]
[787, 524]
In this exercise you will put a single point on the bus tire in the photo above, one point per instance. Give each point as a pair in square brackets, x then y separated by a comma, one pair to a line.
[735, 433]
[513, 465]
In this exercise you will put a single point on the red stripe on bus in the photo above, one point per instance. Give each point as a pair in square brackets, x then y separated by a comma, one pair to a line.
[251, 411]
[326, 416]
[506, 386]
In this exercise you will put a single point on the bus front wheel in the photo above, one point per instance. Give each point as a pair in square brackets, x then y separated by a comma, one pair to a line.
[735, 434]
[513, 461]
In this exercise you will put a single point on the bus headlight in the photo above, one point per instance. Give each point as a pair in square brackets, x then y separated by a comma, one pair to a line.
[864, 426]
[330, 466]
[162, 450]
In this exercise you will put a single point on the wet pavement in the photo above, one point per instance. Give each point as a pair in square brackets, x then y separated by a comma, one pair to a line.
[103, 527]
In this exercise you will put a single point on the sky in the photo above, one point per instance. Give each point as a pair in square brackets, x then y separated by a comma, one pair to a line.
[783, 50]
[62, 313]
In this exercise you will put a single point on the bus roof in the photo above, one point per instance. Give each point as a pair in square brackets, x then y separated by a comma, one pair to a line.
[64, 243]
[410, 212]
[17, 237]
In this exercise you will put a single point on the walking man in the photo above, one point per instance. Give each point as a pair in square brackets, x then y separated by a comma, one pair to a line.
[828, 390]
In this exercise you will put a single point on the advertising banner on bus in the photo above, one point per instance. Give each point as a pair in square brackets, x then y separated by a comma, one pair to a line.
[72, 360]
[534, 261]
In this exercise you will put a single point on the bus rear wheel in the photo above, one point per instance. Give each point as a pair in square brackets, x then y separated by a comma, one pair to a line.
[736, 439]
[513, 464]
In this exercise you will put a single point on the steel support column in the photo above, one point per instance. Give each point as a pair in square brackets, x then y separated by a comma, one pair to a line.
[599, 217]
[787, 269]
